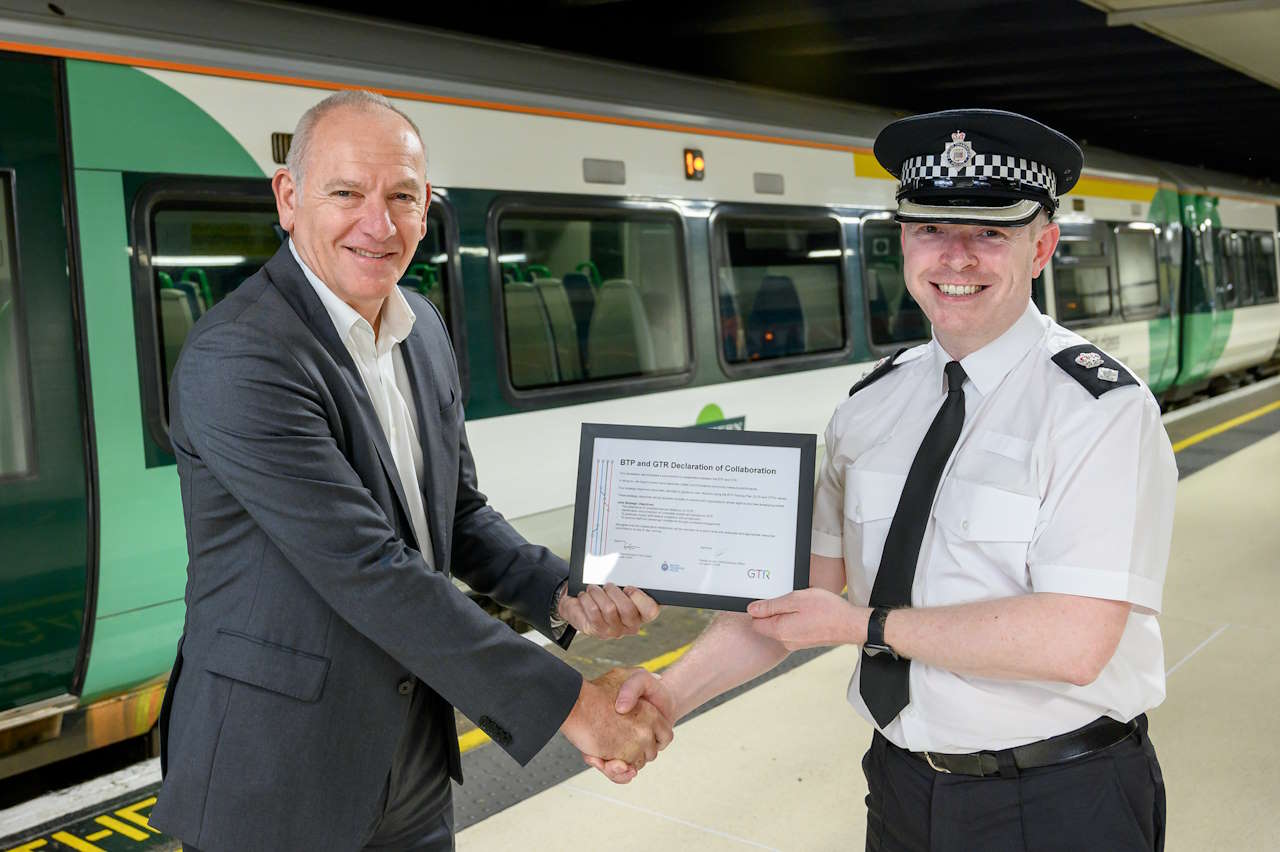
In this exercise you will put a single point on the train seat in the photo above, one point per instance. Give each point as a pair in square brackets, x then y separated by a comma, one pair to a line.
[176, 320]
[582, 301]
[564, 330]
[194, 299]
[775, 325]
[619, 342]
[530, 346]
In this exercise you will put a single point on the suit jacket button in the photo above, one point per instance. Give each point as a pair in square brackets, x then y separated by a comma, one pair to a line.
[405, 687]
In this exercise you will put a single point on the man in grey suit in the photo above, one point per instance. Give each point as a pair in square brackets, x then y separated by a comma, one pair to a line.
[329, 492]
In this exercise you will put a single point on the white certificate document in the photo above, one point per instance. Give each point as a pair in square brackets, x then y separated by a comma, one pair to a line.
[694, 517]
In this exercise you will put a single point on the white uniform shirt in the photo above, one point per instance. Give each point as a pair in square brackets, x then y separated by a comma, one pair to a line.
[381, 366]
[1048, 490]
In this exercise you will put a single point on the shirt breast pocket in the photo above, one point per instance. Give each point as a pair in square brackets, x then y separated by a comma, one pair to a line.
[870, 500]
[988, 531]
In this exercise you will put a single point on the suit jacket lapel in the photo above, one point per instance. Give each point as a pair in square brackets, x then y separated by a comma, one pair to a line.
[414, 350]
[297, 291]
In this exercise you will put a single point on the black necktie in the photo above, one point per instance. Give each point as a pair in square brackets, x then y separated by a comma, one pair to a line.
[885, 681]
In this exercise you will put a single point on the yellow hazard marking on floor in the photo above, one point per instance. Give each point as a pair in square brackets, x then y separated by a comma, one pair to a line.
[76, 843]
[472, 739]
[98, 835]
[120, 828]
[131, 814]
[1223, 427]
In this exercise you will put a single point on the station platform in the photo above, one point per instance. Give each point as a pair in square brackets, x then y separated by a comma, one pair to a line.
[779, 766]
[775, 764]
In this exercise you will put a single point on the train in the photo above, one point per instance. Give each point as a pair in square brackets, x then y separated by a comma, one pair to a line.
[606, 244]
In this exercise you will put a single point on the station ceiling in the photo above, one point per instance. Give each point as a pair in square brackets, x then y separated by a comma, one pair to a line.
[1199, 85]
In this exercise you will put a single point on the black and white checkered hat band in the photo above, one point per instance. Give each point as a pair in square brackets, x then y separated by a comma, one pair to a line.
[982, 166]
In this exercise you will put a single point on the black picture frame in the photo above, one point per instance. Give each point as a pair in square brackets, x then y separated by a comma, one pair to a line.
[805, 443]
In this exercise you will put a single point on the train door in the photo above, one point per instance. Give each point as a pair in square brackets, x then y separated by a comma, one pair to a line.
[45, 578]
[1205, 323]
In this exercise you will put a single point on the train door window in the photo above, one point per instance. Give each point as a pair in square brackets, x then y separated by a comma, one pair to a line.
[1140, 284]
[1082, 273]
[15, 412]
[779, 285]
[1223, 279]
[1262, 265]
[1170, 260]
[197, 240]
[893, 315]
[592, 295]
[200, 253]
[1233, 278]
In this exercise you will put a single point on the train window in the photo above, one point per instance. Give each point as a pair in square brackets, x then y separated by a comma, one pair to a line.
[780, 286]
[1262, 265]
[199, 255]
[893, 314]
[15, 413]
[1140, 283]
[1233, 279]
[592, 295]
[1082, 272]
[202, 238]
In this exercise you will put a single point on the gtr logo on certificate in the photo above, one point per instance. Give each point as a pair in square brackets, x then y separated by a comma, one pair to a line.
[694, 517]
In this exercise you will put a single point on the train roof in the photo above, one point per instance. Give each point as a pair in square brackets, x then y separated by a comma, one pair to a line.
[304, 44]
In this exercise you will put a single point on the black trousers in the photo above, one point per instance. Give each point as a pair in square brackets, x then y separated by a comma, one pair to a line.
[1111, 800]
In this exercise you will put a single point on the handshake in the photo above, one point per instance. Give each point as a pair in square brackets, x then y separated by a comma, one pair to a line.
[623, 718]
[621, 721]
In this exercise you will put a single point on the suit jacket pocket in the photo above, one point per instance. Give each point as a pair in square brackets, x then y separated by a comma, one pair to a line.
[447, 399]
[266, 665]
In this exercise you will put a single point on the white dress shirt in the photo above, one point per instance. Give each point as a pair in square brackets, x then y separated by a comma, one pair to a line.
[381, 366]
[1047, 490]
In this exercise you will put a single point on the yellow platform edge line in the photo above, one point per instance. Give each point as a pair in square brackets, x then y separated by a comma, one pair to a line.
[473, 738]
[1224, 426]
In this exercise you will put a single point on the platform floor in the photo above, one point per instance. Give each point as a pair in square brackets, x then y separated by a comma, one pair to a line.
[775, 764]
[778, 766]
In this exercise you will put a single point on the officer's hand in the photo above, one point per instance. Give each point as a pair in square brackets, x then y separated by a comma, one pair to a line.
[809, 618]
[609, 612]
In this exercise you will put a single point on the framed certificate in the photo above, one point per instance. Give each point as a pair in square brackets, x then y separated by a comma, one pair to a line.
[695, 517]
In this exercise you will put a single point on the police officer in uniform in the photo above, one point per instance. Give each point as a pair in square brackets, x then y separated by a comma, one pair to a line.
[999, 503]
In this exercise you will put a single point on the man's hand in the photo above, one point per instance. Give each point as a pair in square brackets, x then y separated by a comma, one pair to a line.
[810, 618]
[608, 612]
[596, 728]
[634, 688]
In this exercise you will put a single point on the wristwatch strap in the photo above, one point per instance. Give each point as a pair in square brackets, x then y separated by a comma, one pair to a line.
[875, 633]
[557, 623]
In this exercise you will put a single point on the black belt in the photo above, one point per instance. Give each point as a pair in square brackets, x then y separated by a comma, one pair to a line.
[1073, 745]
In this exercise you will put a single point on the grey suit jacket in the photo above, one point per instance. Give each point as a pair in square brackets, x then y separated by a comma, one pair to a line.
[309, 612]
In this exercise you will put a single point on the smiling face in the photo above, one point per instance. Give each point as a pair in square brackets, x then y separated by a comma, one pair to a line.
[973, 281]
[362, 207]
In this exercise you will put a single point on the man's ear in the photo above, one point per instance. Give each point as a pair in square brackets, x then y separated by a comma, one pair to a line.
[286, 193]
[425, 208]
[1046, 243]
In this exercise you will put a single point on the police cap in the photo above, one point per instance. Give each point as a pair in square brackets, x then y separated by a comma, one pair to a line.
[977, 166]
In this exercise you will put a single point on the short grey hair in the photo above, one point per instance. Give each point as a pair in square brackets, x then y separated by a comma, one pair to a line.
[358, 99]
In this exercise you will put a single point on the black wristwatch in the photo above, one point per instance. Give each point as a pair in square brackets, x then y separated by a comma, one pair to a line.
[875, 643]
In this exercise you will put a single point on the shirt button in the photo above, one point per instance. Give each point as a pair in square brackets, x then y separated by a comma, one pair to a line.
[964, 525]
[405, 686]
